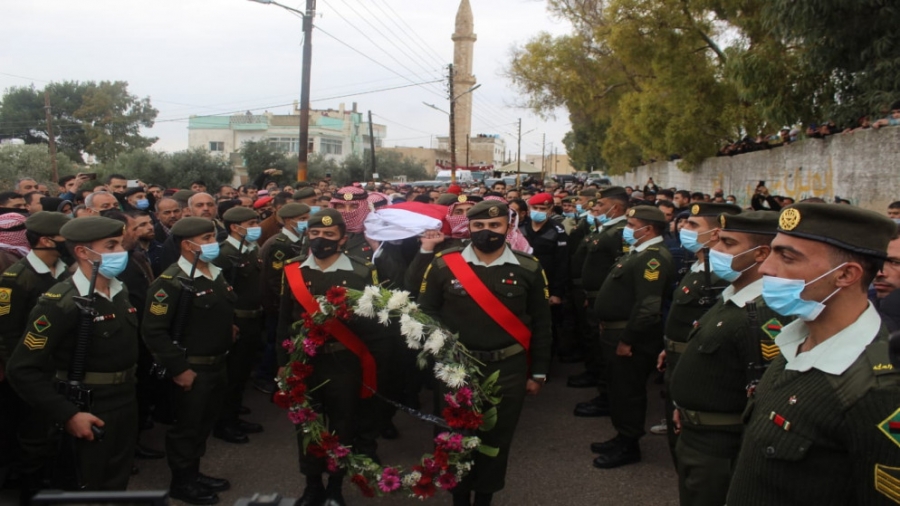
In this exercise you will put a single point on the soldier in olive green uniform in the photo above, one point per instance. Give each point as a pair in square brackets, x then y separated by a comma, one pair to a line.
[355, 421]
[291, 242]
[239, 261]
[694, 296]
[518, 282]
[46, 351]
[576, 331]
[629, 307]
[602, 248]
[726, 352]
[823, 425]
[352, 202]
[196, 362]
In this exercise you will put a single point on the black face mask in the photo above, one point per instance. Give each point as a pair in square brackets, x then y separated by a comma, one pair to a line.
[488, 241]
[60, 248]
[323, 248]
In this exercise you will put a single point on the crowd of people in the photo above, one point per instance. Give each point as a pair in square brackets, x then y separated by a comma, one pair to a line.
[124, 304]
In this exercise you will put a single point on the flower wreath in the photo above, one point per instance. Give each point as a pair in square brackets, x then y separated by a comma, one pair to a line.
[453, 366]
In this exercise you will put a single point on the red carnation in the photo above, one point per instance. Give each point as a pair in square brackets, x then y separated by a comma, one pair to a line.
[282, 399]
[461, 418]
[363, 484]
[336, 295]
[301, 370]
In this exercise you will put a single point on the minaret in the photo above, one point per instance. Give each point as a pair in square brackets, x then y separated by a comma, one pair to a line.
[463, 49]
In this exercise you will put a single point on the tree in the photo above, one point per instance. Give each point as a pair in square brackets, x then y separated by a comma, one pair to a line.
[18, 161]
[171, 170]
[260, 155]
[100, 119]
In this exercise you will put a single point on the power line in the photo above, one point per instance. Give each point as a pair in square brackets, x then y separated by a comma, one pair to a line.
[409, 29]
[401, 124]
[401, 30]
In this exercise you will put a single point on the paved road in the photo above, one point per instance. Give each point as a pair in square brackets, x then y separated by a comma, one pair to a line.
[550, 463]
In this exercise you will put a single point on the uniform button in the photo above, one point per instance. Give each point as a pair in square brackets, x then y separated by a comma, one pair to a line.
[770, 451]
[509, 294]
[700, 348]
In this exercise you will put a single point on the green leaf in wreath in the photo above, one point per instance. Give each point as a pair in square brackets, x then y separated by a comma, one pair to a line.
[490, 451]
[489, 419]
[490, 381]
[493, 399]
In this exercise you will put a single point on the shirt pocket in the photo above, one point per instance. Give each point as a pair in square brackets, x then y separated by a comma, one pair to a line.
[515, 297]
[784, 445]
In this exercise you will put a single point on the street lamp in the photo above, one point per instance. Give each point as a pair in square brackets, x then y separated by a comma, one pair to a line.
[303, 148]
[453, 124]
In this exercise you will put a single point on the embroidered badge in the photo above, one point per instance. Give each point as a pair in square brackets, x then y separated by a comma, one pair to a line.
[53, 295]
[161, 295]
[887, 481]
[722, 220]
[42, 323]
[882, 367]
[158, 309]
[772, 328]
[651, 275]
[34, 341]
[5, 295]
[4, 309]
[279, 255]
[695, 209]
[326, 220]
[653, 264]
[494, 212]
[891, 427]
[277, 265]
[769, 351]
[789, 219]
[347, 196]
[462, 198]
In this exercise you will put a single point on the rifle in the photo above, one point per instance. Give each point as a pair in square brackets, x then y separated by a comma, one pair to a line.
[709, 294]
[755, 369]
[236, 261]
[67, 472]
[181, 316]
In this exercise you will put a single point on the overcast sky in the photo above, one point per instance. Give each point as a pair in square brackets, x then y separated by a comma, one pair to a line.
[217, 56]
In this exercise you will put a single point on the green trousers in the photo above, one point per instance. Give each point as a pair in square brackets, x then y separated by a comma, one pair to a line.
[703, 479]
[196, 412]
[627, 384]
[239, 364]
[106, 464]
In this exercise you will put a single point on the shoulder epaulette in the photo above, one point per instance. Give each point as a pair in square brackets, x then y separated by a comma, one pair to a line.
[57, 291]
[165, 276]
[294, 260]
[527, 261]
[447, 251]
[15, 269]
[652, 248]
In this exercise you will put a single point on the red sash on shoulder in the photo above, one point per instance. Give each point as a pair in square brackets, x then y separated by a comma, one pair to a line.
[487, 300]
[337, 330]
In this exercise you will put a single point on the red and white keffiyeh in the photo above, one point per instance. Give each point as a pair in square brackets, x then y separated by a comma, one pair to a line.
[355, 220]
[12, 234]
[516, 240]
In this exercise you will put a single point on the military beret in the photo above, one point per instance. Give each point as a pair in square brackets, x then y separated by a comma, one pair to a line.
[192, 226]
[488, 209]
[304, 193]
[183, 195]
[647, 213]
[447, 199]
[137, 189]
[92, 228]
[302, 184]
[46, 222]
[613, 191]
[262, 202]
[541, 199]
[292, 210]
[713, 209]
[842, 226]
[570, 200]
[349, 194]
[588, 192]
[239, 214]
[751, 222]
[327, 217]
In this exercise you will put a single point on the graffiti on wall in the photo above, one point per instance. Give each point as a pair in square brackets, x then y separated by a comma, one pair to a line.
[798, 183]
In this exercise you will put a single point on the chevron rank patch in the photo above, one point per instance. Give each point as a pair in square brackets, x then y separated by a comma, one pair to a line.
[887, 481]
[653, 264]
[161, 295]
[651, 275]
[277, 265]
[34, 341]
[4, 309]
[891, 428]
[769, 351]
[772, 328]
[158, 309]
[5, 295]
[42, 323]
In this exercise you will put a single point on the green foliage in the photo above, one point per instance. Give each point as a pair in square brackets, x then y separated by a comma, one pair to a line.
[21, 161]
[170, 170]
[260, 155]
[100, 119]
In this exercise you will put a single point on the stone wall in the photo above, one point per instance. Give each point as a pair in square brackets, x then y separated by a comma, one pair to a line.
[862, 167]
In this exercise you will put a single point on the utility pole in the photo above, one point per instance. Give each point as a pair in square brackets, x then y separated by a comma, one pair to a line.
[452, 128]
[54, 175]
[467, 153]
[303, 156]
[519, 154]
[543, 148]
[372, 146]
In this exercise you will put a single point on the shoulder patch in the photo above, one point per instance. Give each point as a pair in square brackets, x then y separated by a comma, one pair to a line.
[651, 275]
[158, 309]
[653, 264]
[887, 481]
[34, 341]
[42, 323]
[772, 328]
[5, 295]
[7, 274]
[891, 427]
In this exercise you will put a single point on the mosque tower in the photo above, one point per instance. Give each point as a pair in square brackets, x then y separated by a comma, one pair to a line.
[463, 49]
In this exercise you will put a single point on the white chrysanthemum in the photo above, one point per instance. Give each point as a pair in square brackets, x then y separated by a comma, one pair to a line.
[373, 292]
[384, 317]
[364, 307]
[413, 343]
[471, 443]
[399, 299]
[456, 376]
[435, 342]
[412, 307]
[411, 328]
[411, 479]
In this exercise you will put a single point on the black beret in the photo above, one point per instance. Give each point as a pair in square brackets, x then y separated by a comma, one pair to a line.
[46, 222]
[183, 195]
[647, 213]
[588, 192]
[327, 217]
[192, 226]
[713, 209]
[612, 191]
[488, 209]
[751, 222]
[91, 228]
[346, 195]
[137, 189]
[292, 210]
[240, 214]
[842, 226]
[304, 193]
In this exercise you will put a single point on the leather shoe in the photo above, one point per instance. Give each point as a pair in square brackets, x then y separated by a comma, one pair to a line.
[608, 445]
[591, 410]
[583, 380]
[144, 453]
[627, 452]
[193, 492]
[230, 434]
[214, 484]
[248, 427]
[312, 496]
[390, 432]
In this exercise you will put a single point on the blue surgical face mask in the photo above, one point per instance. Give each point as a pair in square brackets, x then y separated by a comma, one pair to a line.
[690, 240]
[569, 215]
[720, 264]
[591, 219]
[896, 220]
[783, 296]
[142, 204]
[301, 227]
[579, 208]
[628, 235]
[112, 264]
[314, 209]
[603, 218]
[253, 233]
[538, 216]
[208, 252]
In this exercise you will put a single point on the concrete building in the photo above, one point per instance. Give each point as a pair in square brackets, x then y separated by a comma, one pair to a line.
[429, 157]
[555, 164]
[481, 150]
[333, 133]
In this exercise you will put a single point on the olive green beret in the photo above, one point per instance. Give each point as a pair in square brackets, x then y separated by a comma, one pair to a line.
[842, 226]
[301, 184]
[488, 209]
[304, 193]
[713, 209]
[647, 213]
[46, 222]
[239, 214]
[183, 195]
[446, 199]
[588, 192]
[612, 191]
[91, 228]
[292, 210]
[327, 217]
[570, 200]
[751, 222]
[192, 226]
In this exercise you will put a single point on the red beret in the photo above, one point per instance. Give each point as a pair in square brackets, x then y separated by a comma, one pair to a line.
[261, 202]
[454, 189]
[540, 199]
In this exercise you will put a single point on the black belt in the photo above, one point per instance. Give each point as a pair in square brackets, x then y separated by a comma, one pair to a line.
[675, 346]
[497, 355]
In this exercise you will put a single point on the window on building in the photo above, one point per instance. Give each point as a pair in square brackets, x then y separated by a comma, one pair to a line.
[331, 146]
[216, 146]
[285, 144]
